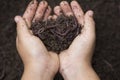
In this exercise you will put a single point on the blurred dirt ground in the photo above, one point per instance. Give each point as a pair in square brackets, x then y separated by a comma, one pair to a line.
[106, 60]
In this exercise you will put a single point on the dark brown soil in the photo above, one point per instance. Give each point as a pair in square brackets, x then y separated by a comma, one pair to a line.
[106, 59]
[57, 34]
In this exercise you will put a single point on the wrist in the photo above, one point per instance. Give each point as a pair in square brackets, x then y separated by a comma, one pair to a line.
[35, 72]
[78, 72]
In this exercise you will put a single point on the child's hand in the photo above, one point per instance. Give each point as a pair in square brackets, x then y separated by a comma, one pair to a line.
[75, 62]
[38, 62]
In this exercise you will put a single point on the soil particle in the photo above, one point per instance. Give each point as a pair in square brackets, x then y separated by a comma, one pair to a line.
[57, 34]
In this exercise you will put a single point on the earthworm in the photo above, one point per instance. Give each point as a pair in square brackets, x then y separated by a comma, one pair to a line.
[57, 34]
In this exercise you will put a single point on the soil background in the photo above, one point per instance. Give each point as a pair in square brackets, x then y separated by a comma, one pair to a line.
[106, 60]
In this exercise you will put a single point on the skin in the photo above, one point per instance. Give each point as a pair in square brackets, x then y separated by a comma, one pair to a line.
[40, 64]
[75, 62]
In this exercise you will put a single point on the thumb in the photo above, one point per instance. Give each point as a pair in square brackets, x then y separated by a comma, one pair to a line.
[22, 28]
[89, 26]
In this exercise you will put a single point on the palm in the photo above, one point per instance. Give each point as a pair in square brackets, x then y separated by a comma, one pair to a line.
[83, 45]
[81, 48]
[30, 47]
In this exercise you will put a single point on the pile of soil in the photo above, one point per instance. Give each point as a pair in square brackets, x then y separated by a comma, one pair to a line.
[106, 59]
[57, 34]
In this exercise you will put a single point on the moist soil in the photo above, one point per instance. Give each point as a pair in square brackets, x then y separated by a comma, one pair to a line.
[106, 59]
[57, 34]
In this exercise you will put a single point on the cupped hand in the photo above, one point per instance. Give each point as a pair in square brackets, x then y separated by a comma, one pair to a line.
[76, 60]
[83, 45]
[34, 54]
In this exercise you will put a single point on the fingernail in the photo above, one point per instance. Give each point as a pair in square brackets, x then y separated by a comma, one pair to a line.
[43, 2]
[16, 18]
[90, 13]
[33, 2]
[74, 2]
[64, 2]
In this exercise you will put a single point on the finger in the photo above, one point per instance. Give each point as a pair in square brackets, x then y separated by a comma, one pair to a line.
[30, 12]
[66, 8]
[78, 12]
[89, 26]
[58, 10]
[17, 40]
[54, 17]
[47, 13]
[22, 29]
[40, 11]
